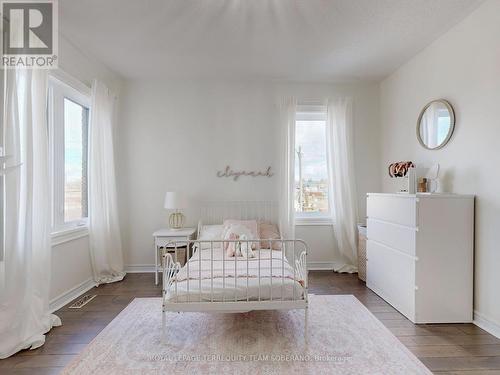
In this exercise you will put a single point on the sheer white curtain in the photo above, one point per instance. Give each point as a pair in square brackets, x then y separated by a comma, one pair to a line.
[105, 242]
[287, 167]
[343, 184]
[24, 298]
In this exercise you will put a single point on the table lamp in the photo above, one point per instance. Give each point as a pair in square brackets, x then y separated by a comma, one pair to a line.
[175, 201]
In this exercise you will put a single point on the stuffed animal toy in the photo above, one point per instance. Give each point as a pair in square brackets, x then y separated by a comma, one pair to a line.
[234, 233]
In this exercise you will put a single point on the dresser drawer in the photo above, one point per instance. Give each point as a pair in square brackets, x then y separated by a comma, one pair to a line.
[397, 236]
[394, 209]
[170, 241]
[391, 274]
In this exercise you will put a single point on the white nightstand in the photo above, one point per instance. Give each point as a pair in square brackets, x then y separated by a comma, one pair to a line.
[163, 240]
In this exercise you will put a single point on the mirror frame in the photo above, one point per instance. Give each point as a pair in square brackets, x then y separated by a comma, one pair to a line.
[450, 131]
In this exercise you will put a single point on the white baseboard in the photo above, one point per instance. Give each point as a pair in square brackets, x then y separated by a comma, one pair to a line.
[66, 297]
[320, 266]
[489, 325]
[140, 268]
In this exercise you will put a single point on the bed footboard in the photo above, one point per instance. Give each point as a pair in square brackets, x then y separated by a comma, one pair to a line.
[272, 279]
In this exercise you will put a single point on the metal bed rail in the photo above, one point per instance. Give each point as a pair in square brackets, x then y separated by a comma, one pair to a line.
[292, 253]
[287, 263]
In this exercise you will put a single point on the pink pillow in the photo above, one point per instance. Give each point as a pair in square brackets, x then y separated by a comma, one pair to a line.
[271, 232]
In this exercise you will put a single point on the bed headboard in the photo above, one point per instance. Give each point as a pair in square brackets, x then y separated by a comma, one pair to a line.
[217, 212]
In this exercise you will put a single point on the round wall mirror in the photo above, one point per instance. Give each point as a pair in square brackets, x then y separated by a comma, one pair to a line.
[435, 124]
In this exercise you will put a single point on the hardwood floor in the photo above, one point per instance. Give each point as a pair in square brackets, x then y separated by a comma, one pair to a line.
[444, 348]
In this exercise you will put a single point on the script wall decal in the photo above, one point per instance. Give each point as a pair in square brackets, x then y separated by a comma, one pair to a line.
[235, 175]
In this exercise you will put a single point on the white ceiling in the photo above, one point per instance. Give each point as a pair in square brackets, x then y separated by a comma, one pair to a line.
[313, 40]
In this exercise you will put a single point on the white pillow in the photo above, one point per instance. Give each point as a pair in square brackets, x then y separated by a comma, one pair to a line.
[209, 233]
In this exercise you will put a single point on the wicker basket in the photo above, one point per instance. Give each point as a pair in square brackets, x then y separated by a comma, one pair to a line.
[362, 252]
[181, 255]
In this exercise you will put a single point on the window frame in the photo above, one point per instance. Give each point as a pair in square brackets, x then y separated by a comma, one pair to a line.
[315, 111]
[62, 87]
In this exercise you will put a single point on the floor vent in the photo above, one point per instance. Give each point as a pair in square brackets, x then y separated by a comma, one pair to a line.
[82, 301]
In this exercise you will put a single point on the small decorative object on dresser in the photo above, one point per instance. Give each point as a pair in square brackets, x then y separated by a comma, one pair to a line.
[422, 185]
[175, 201]
[165, 242]
[420, 253]
[405, 171]
[432, 177]
[412, 179]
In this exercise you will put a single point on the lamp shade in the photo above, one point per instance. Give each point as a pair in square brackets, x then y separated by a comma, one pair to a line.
[175, 200]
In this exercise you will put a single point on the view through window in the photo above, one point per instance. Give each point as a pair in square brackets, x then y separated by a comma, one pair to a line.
[311, 166]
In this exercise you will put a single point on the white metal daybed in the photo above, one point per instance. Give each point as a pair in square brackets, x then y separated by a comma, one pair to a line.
[210, 281]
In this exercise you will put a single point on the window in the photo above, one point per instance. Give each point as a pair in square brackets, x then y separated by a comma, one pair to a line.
[68, 129]
[312, 201]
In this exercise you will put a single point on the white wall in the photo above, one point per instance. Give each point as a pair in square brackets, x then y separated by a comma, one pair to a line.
[175, 135]
[71, 260]
[70, 266]
[462, 66]
[85, 67]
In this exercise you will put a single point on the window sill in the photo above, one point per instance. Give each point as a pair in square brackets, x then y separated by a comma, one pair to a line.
[68, 235]
[318, 221]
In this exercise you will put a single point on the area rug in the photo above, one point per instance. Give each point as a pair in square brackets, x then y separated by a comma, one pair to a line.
[343, 337]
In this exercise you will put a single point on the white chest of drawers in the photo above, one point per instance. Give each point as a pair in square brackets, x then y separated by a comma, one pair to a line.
[420, 254]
